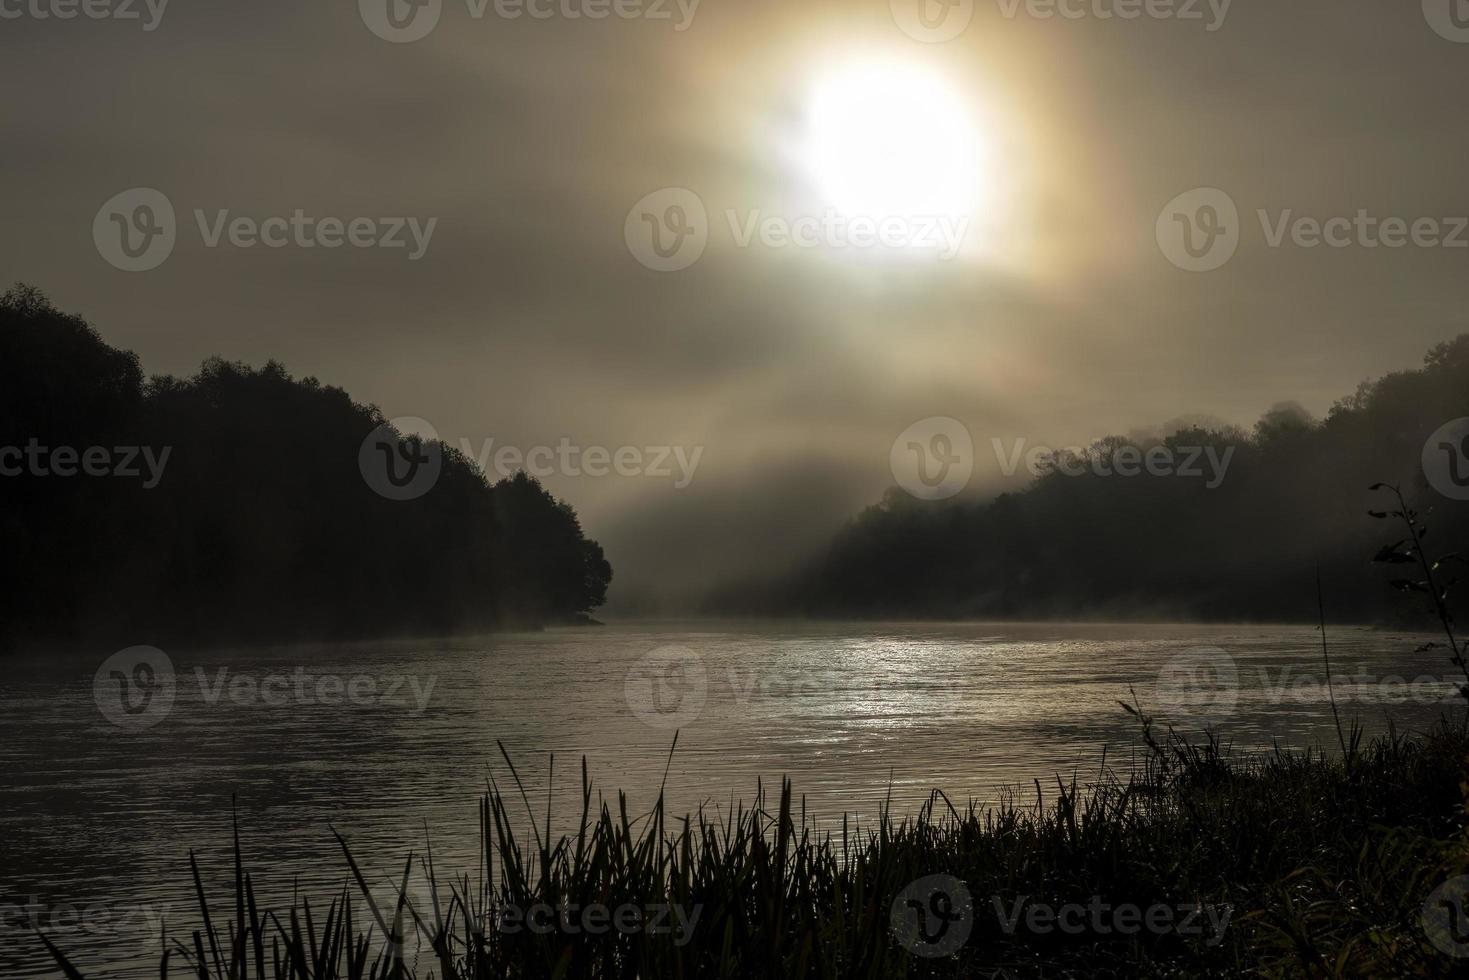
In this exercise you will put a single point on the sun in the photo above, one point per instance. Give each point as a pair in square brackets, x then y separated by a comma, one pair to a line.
[888, 138]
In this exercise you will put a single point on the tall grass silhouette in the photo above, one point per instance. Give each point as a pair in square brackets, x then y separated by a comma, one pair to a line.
[1323, 862]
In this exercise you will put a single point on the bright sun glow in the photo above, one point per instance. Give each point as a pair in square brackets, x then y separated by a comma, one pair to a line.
[891, 139]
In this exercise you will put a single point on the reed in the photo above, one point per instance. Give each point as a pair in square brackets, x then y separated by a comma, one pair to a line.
[1324, 863]
[1324, 868]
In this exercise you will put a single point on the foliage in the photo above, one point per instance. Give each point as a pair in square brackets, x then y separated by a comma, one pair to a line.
[1323, 864]
[262, 526]
[1151, 546]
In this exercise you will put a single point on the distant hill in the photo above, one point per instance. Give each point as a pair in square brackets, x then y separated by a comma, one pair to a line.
[1087, 545]
[237, 505]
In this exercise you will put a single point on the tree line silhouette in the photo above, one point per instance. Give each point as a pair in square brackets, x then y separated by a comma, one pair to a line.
[1294, 498]
[261, 525]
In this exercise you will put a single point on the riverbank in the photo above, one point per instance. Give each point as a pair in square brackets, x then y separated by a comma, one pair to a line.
[1197, 863]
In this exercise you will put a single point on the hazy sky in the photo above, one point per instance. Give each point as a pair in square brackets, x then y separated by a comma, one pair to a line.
[529, 320]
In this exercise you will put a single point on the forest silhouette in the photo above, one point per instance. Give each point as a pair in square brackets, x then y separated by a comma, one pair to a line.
[260, 524]
[1081, 545]
[262, 527]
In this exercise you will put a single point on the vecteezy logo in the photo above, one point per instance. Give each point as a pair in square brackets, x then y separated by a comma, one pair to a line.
[134, 688]
[1197, 688]
[932, 21]
[668, 687]
[401, 466]
[1448, 18]
[135, 231]
[933, 458]
[1446, 459]
[401, 21]
[933, 916]
[1446, 916]
[667, 230]
[1199, 231]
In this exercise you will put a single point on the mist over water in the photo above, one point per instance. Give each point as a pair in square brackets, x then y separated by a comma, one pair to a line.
[395, 742]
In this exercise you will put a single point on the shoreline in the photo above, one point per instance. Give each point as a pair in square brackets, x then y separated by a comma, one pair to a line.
[1193, 862]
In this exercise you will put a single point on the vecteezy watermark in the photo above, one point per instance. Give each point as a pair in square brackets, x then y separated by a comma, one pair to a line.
[37, 460]
[405, 21]
[401, 21]
[134, 688]
[148, 13]
[674, 686]
[596, 919]
[932, 21]
[137, 229]
[1198, 688]
[668, 687]
[668, 230]
[677, 463]
[1200, 230]
[1098, 917]
[1211, 13]
[1201, 687]
[1363, 230]
[1445, 917]
[942, 234]
[401, 459]
[1285, 685]
[1448, 18]
[671, 687]
[96, 919]
[1205, 463]
[934, 916]
[301, 688]
[1446, 459]
[936, 21]
[933, 459]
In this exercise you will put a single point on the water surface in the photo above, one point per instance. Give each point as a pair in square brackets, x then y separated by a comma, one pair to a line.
[393, 742]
